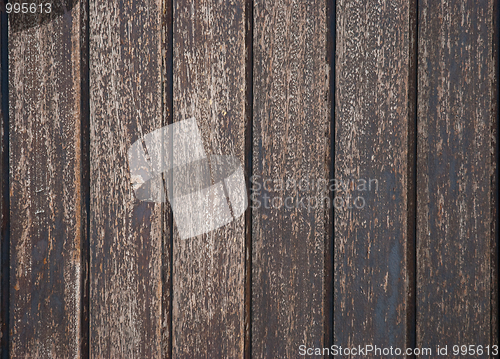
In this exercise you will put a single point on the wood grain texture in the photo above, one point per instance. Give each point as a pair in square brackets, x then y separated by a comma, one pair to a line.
[495, 174]
[125, 234]
[209, 84]
[291, 143]
[45, 186]
[371, 143]
[457, 84]
[4, 188]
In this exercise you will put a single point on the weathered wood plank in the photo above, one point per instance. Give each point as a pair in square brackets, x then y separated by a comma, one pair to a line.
[46, 199]
[456, 90]
[373, 122]
[4, 188]
[291, 143]
[494, 154]
[126, 234]
[209, 84]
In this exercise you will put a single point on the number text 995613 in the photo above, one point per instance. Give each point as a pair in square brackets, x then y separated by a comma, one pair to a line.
[26, 7]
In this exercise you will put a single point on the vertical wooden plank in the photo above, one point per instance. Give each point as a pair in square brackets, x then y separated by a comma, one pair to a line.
[457, 87]
[209, 84]
[373, 122]
[291, 149]
[125, 234]
[494, 99]
[45, 76]
[4, 187]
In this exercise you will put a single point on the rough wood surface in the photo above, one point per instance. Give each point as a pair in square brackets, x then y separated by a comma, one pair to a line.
[371, 143]
[45, 77]
[455, 88]
[4, 188]
[95, 272]
[125, 234]
[291, 143]
[494, 174]
[209, 84]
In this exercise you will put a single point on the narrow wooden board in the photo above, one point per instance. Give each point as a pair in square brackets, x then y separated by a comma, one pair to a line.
[4, 188]
[46, 199]
[209, 270]
[456, 89]
[291, 144]
[125, 233]
[373, 123]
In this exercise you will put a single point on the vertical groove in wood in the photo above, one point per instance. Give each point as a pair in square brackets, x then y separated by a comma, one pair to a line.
[411, 244]
[456, 177]
[85, 181]
[168, 221]
[4, 189]
[209, 269]
[45, 85]
[291, 143]
[125, 233]
[373, 125]
[331, 37]
[249, 33]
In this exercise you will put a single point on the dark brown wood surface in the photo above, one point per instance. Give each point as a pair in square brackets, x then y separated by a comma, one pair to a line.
[209, 84]
[372, 128]
[45, 79]
[125, 234]
[385, 110]
[456, 116]
[291, 143]
[4, 185]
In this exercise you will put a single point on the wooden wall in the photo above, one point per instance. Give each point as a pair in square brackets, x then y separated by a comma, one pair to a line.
[398, 95]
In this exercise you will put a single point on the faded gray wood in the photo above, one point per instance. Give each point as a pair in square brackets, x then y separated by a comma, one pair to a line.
[457, 92]
[291, 143]
[373, 123]
[209, 84]
[46, 202]
[125, 234]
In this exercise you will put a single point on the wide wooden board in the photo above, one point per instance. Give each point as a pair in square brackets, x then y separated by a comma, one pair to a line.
[46, 197]
[209, 84]
[456, 124]
[372, 142]
[125, 233]
[291, 145]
